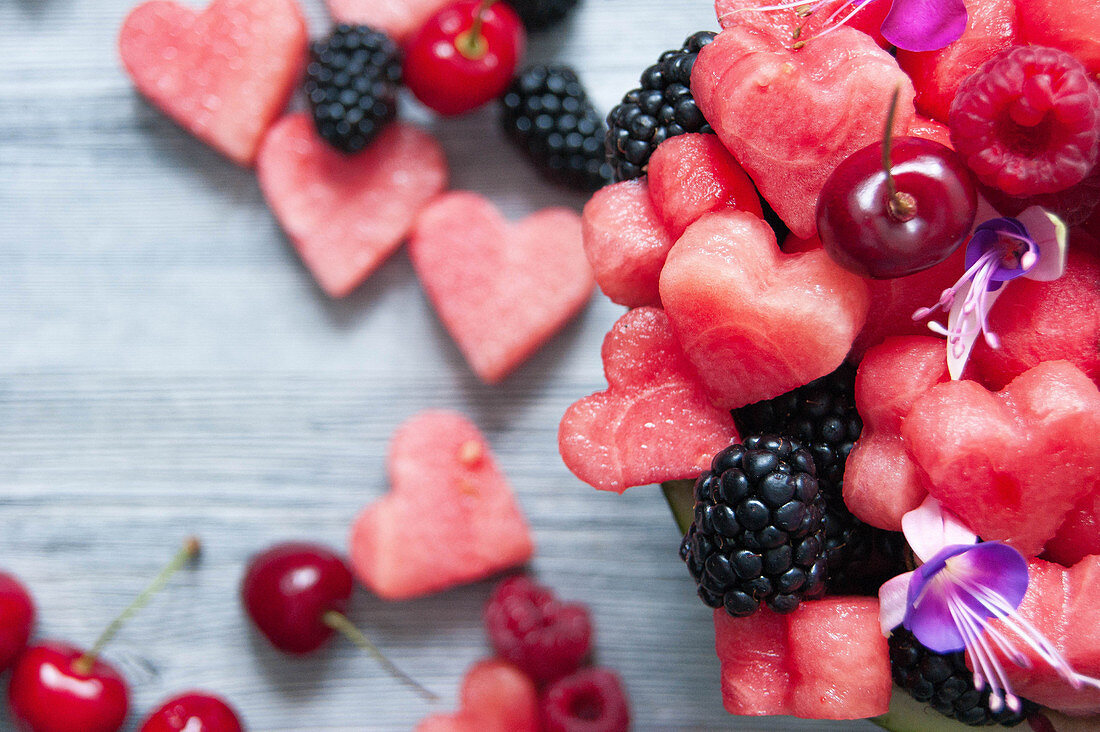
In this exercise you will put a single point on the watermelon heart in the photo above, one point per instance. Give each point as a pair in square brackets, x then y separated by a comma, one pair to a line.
[654, 422]
[1011, 464]
[346, 214]
[496, 697]
[396, 18]
[790, 117]
[891, 377]
[225, 74]
[789, 25]
[755, 322]
[501, 289]
[450, 516]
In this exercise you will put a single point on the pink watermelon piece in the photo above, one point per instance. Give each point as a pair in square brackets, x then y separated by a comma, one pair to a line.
[346, 214]
[396, 18]
[881, 481]
[1045, 321]
[224, 74]
[788, 26]
[757, 679]
[930, 129]
[496, 697]
[691, 175]
[756, 322]
[1010, 464]
[654, 422]
[1069, 26]
[789, 117]
[826, 660]
[990, 28]
[501, 289]
[441, 467]
[1064, 605]
[1079, 534]
[626, 243]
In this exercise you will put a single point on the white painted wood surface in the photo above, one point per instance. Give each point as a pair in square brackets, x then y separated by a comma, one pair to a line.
[167, 367]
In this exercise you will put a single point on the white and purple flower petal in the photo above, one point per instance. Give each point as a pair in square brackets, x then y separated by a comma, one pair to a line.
[930, 527]
[999, 251]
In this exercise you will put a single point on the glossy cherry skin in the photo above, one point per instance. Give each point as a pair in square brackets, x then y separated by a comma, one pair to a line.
[194, 711]
[861, 232]
[47, 693]
[289, 587]
[441, 70]
[16, 619]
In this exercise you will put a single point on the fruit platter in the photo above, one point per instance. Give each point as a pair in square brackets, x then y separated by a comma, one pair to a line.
[550, 365]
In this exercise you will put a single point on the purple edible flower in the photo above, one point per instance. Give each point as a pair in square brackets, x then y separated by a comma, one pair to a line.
[913, 25]
[951, 601]
[1032, 245]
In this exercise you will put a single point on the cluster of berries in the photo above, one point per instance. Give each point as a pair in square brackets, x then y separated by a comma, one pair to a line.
[462, 57]
[542, 684]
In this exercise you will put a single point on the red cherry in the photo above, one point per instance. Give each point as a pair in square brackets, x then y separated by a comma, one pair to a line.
[194, 711]
[16, 619]
[289, 588]
[57, 687]
[464, 55]
[53, 690]
[876, 231]
[296, 594]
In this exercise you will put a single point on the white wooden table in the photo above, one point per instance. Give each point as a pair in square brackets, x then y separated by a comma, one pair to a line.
[167, 367]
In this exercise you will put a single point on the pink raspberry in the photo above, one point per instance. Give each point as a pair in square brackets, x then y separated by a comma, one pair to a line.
[528, 626]
[1028, 121]
[592, 700]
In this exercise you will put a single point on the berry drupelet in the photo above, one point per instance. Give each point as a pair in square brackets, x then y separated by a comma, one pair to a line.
[351, 83]
[945, 683]
[758, 533]
[547, 113]
[539, 14]
[661, 108]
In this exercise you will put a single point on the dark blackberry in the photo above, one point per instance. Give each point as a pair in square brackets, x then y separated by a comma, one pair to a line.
[945, 683]
[547, 113]
[661, 108]
[821, 415]
[539, 14]
[758, 534]
[860, 557]
[351, 84]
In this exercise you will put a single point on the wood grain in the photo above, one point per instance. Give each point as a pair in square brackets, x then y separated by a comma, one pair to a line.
[167, 367]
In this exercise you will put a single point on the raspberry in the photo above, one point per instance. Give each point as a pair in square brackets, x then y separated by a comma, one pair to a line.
[592, 700]
[1028, 121]
[528, 626]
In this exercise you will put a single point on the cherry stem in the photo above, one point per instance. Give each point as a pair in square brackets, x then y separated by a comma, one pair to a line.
[472, 43]
[902, 206]
[187, 552]
[340, 623]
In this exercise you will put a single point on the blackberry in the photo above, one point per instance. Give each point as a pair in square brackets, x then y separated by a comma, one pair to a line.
[661, 108]
[945, 683]
[758, 533]
[539, 14]
[351, 83]
[547, 113]
[860, 557]
[821, 415]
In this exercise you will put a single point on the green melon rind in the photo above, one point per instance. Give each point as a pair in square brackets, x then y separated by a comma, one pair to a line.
[681, 501]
